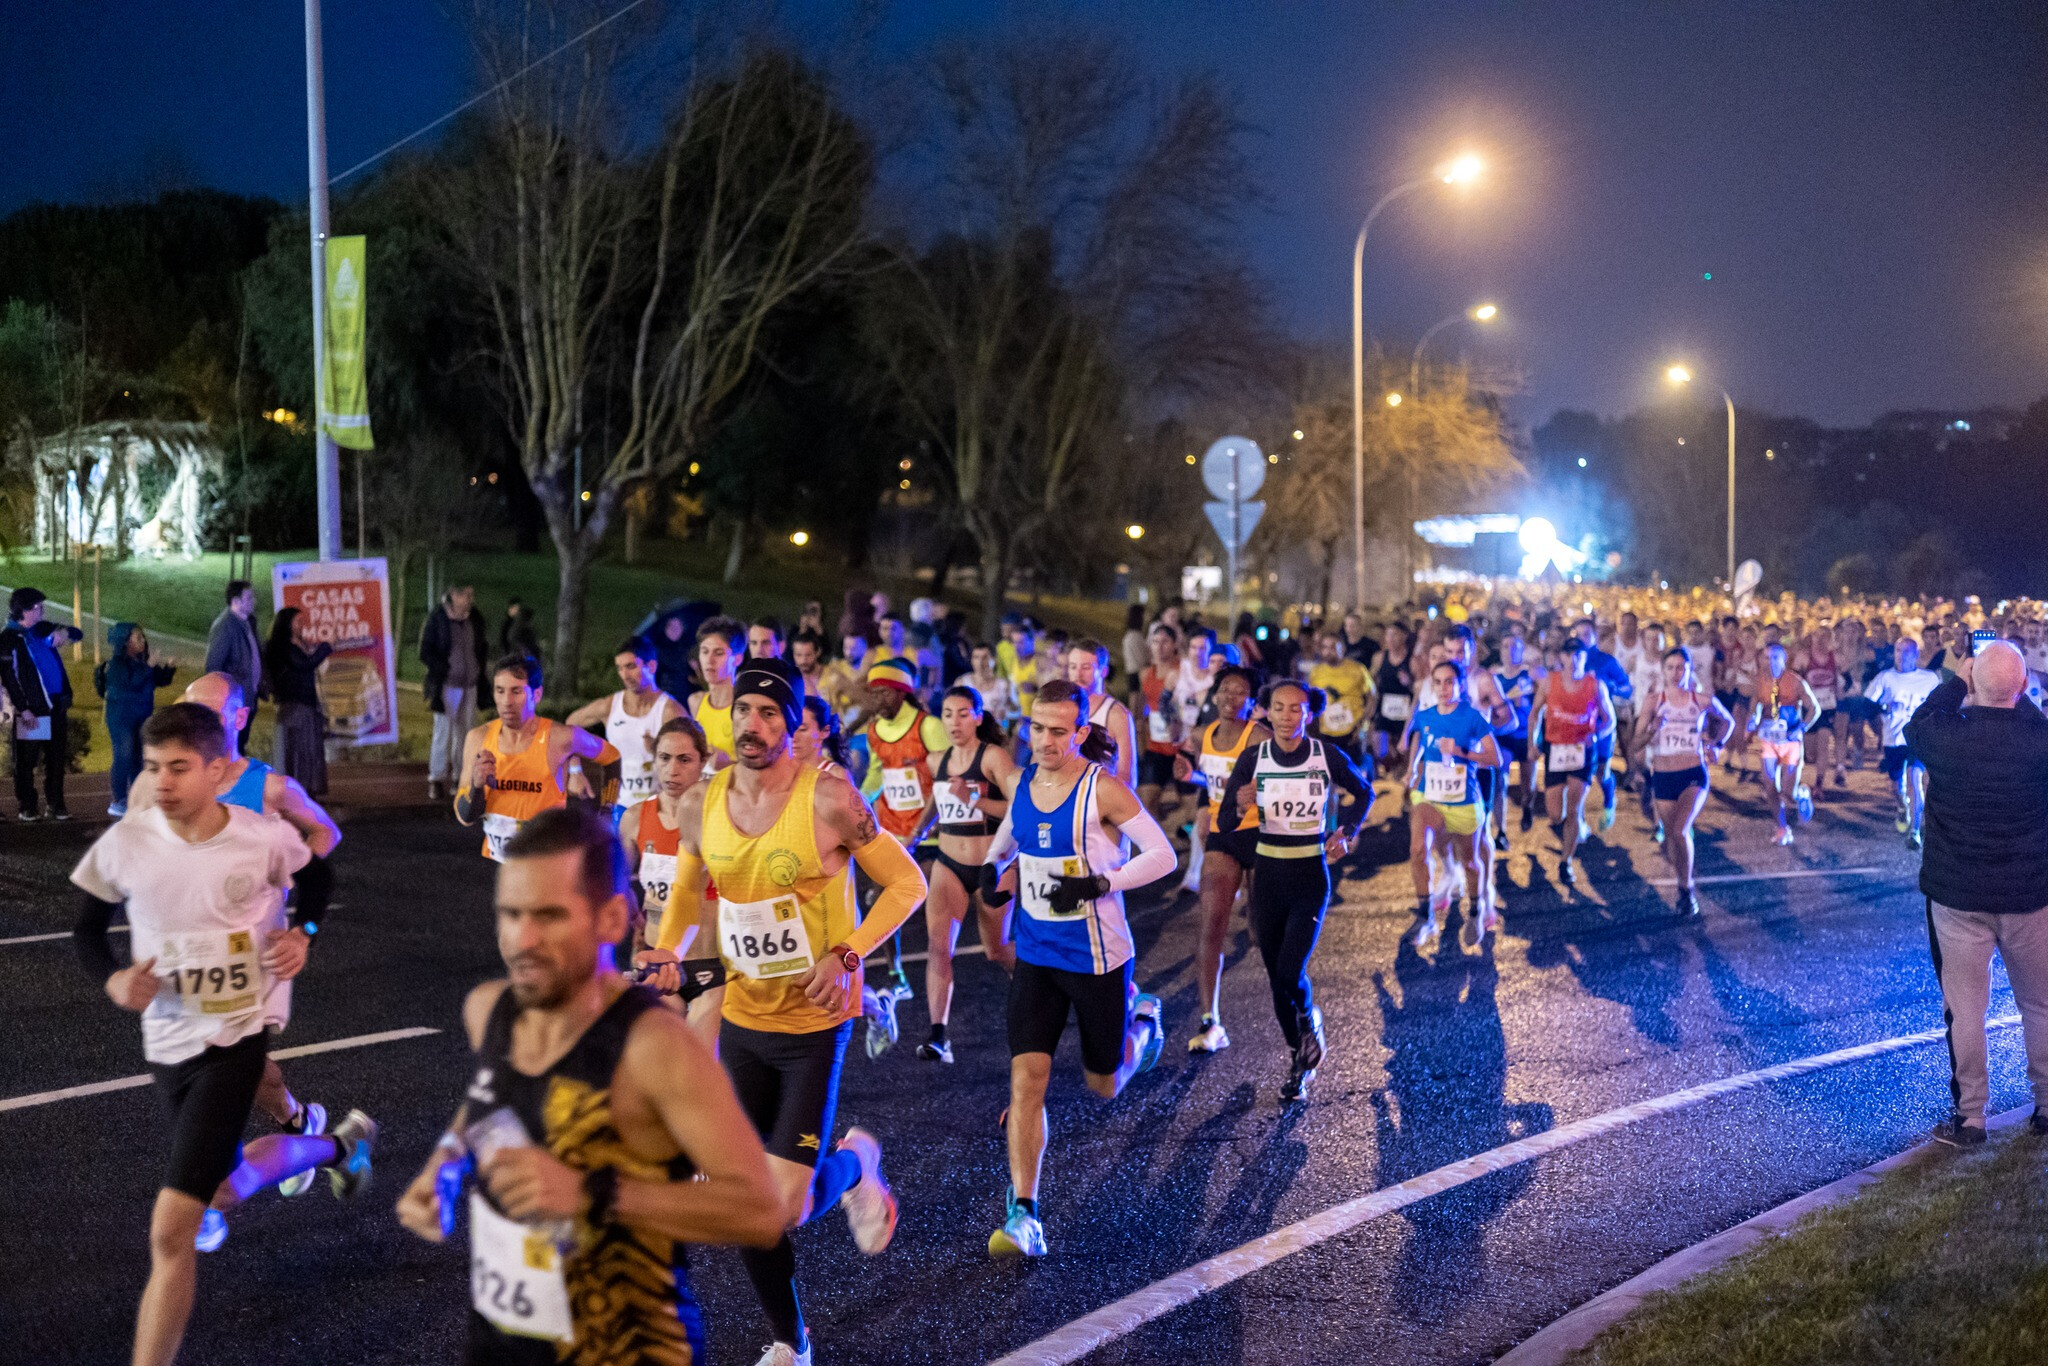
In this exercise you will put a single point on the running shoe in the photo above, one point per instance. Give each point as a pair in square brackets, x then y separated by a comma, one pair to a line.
[1210, 1038]
[1308, 1056]
[1607, 816]
[117, 809]
[29, 817]
[1021, 1234]
[1528, 819]
[1296, 1086]
[1784, 840]
[879, 1008]
[1913, 840]
[355, 1137]
[1803, 795]
[935, 1050]
[1500, 841]
[897, 983]
[213, 1230]
[1427, 936]
[1956, 1134]
[782, 1354]
[1841, 777]
[58, 813]
[312, 1123]
[1902, 823]
[1688, 904]
[1658, 833]
[1147, 1007]
[870, 1205]
[1566, 874]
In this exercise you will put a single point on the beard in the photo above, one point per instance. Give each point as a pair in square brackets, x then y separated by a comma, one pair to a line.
[545, 989]
[762, 755]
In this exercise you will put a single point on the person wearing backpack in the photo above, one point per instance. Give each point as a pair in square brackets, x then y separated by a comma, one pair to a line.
[128, 680]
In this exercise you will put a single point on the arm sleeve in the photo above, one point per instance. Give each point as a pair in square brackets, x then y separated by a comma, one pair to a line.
[1154, 859]
[315, 883]
[1004, 844]
[903, 888]
[1346, 776]
[1227, 815]
[89, 937]
[685, 902]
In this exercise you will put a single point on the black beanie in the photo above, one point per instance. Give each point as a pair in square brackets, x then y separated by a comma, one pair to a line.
[776, 681]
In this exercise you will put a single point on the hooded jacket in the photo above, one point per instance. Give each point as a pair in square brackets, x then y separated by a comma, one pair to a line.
[132, 680]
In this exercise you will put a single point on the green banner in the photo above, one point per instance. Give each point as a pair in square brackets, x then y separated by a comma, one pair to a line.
[345, 397]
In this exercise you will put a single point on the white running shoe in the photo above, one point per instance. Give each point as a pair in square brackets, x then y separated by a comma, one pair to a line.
[1210, 1038]
[315, 1124]
[870, 1205]
[782, 1354]
[1020, 1236]
[1427, 936]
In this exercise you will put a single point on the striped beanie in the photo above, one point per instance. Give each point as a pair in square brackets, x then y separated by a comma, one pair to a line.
[895, 673]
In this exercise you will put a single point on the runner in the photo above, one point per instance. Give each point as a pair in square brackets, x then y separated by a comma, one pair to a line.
[1226, 857]
[1516, 680]
[996, 693]
[901, 738]
[1672, 727]
[1818, 662]
[1645, 676]
[512, 766]
[603, 1134]
[765, 639]
[720, 645]
[1453, 743]
[1614, 678]
[1087, 663]
[1347, 690]
[1575, 708]
[1291, 782]
[1781, 708]
[970, 780]
[648, 830]
[204, 888]
[1746, 660]
[1483, 691]
[1897, 693]
[819, 742]
[1393, 682]
[631, 718]
[1159, 718]
[1073, 942]
[807, 657]
[790, 943]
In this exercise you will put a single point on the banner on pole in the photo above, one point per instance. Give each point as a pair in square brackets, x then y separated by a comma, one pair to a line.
[345, 397]
[347, 604]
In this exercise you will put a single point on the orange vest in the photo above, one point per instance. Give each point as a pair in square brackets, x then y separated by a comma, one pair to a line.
[526, 786]
[907, 751]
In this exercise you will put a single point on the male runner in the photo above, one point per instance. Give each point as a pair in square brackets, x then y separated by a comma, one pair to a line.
[1087, 665]
[603, 1133]
[1897, 693]
[512, 766]
[1347, 689]
[1073, 943]
[721, 643]
[1159, 718]
[764, 639]
[902, 737]
[1782, 708]
[1608, 670]
[807, 656]
[781, 838]
[631, 718]
[204, 885]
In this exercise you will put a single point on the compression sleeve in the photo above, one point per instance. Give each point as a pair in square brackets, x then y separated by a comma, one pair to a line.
[1003, 845]
[685, 901]
[469, 805]
[1155, 857]
[315, 886]
[891, 868]
[89, 937]
[1347, 777]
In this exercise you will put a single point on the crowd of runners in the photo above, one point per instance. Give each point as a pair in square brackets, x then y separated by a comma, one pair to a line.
[700, 881]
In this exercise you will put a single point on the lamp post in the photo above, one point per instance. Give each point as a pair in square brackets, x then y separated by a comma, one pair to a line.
[1679, 375]
[1478, 313]
[1459, 171]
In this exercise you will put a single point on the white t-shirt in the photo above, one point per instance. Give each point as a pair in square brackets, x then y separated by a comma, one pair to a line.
[202, 911]
[1191, 690]
[1900, 695]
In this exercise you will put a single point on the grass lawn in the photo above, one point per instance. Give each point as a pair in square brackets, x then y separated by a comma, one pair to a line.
[1942, 1261]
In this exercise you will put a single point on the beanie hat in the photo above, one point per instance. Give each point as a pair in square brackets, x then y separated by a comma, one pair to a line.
[760, 678]
[895, 673]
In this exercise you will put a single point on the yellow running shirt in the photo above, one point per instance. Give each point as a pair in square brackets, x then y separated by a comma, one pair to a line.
[1214, 767]
[525, 786]
[1345, 685]
[716, 721]
[778, 911]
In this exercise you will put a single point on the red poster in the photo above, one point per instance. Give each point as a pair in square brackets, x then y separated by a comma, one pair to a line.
[347, 604]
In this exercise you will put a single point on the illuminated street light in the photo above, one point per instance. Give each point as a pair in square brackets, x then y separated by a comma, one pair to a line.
[1461, 170]
[1297, 433]
[1478, 313]
[1135, 532]
[1394, 400]
[1485, 313]
[1680, 375]
[799, 538]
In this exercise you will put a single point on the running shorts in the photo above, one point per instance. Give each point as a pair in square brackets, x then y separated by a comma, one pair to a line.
[1514, 749]
[1238, 844]
[1670, 786]
[1731, 698]
[1585, 772]
[1154, 769]
[787, 1083]
[1894, 761]
[1465, 818]
[1826, 721]
[1042, 998]
[1782, 752]
[208, 1099]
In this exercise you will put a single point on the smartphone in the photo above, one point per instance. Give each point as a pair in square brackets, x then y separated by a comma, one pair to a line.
[1979, 639]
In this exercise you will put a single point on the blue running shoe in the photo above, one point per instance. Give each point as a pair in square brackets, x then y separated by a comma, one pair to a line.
[1147, 1007]
[1803, 795]
[312, 1124]
[355, 1138]
[213, 1231]
[1021, 1234]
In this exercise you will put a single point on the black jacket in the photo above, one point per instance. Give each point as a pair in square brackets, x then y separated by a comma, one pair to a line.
[18, 672]
[436, 639]
[1987, 802]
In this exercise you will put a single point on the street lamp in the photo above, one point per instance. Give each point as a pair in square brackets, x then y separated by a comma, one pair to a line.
[1135, 532]
[1478, 313]
[1461, 171]
[1679, 375]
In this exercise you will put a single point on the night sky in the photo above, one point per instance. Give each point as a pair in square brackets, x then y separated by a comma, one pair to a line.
[1867, 182]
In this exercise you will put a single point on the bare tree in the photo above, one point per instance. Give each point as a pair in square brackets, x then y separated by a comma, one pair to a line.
[639, 277]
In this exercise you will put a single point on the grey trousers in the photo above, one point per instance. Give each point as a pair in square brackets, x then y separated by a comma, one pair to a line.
[1962, 942]
[451, 726]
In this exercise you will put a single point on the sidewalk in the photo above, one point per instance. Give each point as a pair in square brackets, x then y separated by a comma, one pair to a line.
[350, 787]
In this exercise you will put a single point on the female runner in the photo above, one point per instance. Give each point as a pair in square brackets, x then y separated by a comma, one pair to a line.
[1227, 855]
[1782, 708]
[971, 780]
[1452, 742]
[1673, 722]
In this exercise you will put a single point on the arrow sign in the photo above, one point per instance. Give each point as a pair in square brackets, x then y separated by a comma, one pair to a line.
[1248, 515]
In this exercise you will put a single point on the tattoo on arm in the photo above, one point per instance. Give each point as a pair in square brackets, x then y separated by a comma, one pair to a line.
[864, 828]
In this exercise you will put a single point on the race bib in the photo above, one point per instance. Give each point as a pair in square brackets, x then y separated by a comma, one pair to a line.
[1158, 728]
[955, 810]
[1394, 706]
[657, 879]
[1443, 782]
[1677, 740]
[1567, 758]
[1038, 877]
[212, 974]
[1825, 697]
[764, 939]
[637, 786]
[497, 829]
[1338, 718]
[901, 789]
[1216, 772]
[515, 1276]
[1292, 806]
[1773, 729]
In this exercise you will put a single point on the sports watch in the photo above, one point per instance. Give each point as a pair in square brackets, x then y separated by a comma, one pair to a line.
[848, 959]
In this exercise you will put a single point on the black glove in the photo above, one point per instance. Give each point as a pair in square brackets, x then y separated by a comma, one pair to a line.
[701, 975]
[992, 895]
[1070, 892]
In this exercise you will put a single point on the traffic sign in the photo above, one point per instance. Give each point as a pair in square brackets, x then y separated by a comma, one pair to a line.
[1248, 515]
[1233, 468]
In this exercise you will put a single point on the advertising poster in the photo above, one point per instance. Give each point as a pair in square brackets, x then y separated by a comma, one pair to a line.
[347, 604]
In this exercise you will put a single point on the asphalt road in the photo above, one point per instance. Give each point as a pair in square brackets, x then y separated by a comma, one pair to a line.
[1591, 999]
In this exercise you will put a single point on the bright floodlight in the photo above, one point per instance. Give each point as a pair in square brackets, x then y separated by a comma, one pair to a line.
[1537, 535]
[1485, 313]
[1678, 374]
[1461, 170]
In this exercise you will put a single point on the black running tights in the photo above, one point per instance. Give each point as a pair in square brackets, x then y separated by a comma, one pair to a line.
[1289, 896]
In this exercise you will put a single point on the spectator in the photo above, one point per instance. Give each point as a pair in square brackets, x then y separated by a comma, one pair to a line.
[233, 649]
[453, 648]
[128, 682]
[516, 635]
[1984, 869]
[1136, 651]
[812, 618]
[39, 691]
[292, 660]
[857, 615]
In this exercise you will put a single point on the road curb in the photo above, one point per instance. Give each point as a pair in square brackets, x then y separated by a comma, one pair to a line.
[1558, 1343]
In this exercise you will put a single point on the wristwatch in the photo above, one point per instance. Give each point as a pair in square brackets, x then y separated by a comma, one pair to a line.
[848, 959]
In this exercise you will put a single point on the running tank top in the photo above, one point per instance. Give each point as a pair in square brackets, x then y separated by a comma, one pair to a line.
[1778, 719]
[1396, 689]
[633, 737]
[1677, 734]
[628, 1297]
[1215, 765]
[247, 791]
[955, 817]
[906, 782]
[1572, 710]
[658, 846]
[1067, 841]
[526, 786]
[1518, 724]
[778, 911]
[716, 721]
[1823, 675]
[1295, 805]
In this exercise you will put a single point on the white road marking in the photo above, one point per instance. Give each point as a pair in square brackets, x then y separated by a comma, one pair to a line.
[47, 938]
[100, 1088]
[1092, 1331]
[1719, 879]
